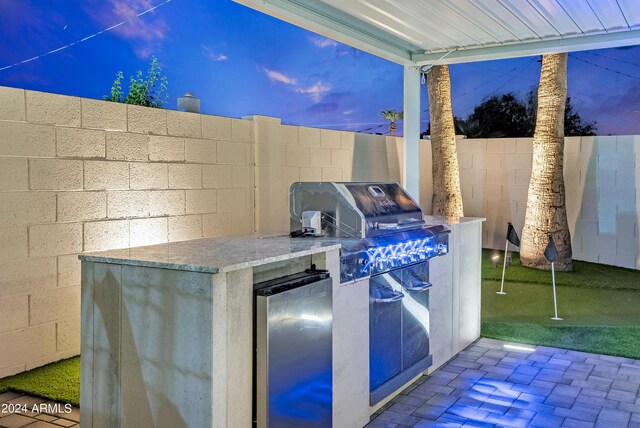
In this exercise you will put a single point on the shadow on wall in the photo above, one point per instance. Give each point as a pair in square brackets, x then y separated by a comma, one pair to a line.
[604, 220]
[623, 227]
[150, 334]
[371, 159]
[580, 175]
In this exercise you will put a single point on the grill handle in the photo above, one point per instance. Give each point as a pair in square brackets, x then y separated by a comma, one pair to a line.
[394, 296]
[418, 286]
[398, 226]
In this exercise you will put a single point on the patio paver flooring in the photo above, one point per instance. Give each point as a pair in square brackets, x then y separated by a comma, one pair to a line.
[487, 385]
[9, 418]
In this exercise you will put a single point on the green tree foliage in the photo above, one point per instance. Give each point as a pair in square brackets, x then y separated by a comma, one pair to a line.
[574, 126]
[507, 116]
[500, 116]
[392, 115]
[116, 89]
[149, 92]
[461, 125]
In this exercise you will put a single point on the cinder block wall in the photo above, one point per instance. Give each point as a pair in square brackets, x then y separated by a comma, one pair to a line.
[602, 179]
[85, 175]
[286, 154]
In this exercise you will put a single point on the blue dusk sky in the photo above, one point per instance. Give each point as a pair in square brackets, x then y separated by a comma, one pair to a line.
[242, 62]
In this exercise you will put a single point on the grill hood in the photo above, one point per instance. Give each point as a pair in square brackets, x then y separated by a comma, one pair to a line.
[355, 210]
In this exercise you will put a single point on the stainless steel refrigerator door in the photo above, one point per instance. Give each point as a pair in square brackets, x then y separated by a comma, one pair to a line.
[385, 325]
[415, 314]
[294, 363]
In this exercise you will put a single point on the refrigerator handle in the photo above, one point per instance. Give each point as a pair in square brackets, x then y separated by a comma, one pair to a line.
[418, 286]
[393, 297]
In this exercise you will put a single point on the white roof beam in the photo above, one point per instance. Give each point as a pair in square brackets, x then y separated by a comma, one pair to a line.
[529, 48]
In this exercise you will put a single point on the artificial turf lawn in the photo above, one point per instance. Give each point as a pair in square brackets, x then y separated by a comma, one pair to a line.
[621, 341]
[58, 381]
[599, 305]
[533, 304]
[585, 274]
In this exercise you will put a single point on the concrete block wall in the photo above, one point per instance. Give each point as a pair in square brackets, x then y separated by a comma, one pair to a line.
[84, 175]
[602, 180]
[286, 154]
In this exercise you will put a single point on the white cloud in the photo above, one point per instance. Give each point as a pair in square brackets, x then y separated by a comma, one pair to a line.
[213, 56]
[315, 91]
[276, 76]
[146, 31]
[149, 27]
[145, 51]
[323, 42]
[348, 112]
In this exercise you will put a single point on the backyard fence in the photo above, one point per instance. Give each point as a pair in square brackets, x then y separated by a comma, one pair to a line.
[85, 175]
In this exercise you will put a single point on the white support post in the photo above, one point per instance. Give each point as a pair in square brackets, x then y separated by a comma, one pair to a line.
[411, 132]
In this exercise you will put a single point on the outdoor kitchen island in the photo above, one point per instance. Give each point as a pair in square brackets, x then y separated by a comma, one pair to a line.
[168, 336]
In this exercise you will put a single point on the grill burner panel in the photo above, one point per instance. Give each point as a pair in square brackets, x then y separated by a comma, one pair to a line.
[365, 257]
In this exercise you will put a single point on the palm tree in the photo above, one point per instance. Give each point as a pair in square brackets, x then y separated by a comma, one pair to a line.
[447, 199]
[546, 208]
[392, 115]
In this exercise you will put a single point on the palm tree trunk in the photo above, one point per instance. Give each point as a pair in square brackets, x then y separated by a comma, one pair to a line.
[447, 199]
[546, 208]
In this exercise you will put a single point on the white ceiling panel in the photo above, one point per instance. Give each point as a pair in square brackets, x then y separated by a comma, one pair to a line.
[503, 17]
[483, 19]
[417, 32]
[582, 14]
[529, 15]
[556, 16]
[631, 11]
[445, 30]
[438, 14]
[610, 14]
[402, 21]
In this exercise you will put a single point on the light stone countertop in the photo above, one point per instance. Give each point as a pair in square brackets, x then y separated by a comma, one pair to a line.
[226, 254]
[213, 255]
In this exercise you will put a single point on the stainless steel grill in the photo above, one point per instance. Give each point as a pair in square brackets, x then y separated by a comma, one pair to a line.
[384, 237]
[380, 226]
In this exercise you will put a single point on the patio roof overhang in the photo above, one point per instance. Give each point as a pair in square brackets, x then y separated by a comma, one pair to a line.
[416, 33]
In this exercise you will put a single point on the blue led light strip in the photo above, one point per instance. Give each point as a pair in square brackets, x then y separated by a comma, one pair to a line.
[402, 253]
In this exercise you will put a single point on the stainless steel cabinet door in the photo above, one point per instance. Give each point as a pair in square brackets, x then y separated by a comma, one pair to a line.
[297, 342]
[415, 313]
[385, 340]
